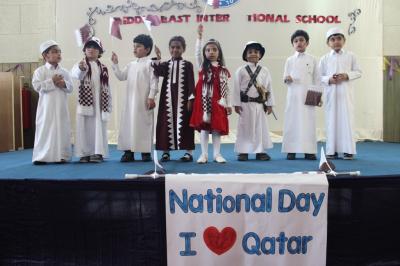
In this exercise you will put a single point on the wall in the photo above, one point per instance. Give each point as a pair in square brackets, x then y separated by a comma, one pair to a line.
[26, 28]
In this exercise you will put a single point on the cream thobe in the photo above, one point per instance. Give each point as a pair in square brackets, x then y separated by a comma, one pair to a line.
[53, 129]
[339, 101]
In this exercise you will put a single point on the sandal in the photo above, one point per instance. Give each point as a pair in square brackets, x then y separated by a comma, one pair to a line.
[165, 157]
[187, 157]
[84, 159]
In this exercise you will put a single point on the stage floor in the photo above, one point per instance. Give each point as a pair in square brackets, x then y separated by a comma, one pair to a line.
[373, 159]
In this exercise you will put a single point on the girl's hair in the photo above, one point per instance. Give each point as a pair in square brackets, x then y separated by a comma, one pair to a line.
[207, 63]
[298, 33]
[178, 39]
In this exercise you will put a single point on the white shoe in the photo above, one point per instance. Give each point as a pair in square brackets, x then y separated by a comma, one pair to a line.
[219, 159]
[202, 159]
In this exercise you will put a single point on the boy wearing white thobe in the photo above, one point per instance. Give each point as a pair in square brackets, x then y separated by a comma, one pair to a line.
[338, 70]
[301, 74]
[53, 132]
[137, 118]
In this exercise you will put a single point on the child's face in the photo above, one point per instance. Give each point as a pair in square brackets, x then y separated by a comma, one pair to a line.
[212, 52]
[139, 50]
[92, 52]
[253, 55]
[176, 49]
[300, 44]
[336, 42]
[53, 56]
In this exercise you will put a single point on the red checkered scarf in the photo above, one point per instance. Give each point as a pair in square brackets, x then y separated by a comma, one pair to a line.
[207, 91]
[85, 97]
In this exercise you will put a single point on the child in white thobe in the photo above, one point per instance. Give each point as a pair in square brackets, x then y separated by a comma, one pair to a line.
[137, 118]
[53, 133]
[94, 104]
[253, 100]
[301, 74]
[338, 69]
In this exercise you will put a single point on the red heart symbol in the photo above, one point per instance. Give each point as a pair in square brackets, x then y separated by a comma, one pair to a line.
[219, 242]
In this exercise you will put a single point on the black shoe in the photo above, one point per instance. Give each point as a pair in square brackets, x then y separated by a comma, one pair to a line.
[187, 157]
[332, 156]
[291, 156]
[62, 161]
[348, 156]
[165, 157]
[84, 159]
[128, 156]
[310, 156]
[263, 157]
[39, 163]
[146, 157]
[243, 156]
[97, 158]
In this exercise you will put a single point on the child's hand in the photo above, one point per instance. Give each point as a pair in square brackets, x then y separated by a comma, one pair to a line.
[158, 52]
[288, 80]
[200, 30]
[114, 58]
[342, 77]
[189, 106]
[228, 110]
[150, 103]
[238, 109]
[269, 110]
[82, 65]
[58, 80]
[333, 79]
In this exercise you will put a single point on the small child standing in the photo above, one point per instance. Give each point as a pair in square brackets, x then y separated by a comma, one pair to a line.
[211, 105]
[53, 132]
[94, 104]
[137, 118]
[253, 99]
[173, 131]
[338, 69]
[301, 74]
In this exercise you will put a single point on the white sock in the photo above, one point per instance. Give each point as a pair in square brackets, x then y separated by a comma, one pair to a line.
[204, 141]
[216, 140]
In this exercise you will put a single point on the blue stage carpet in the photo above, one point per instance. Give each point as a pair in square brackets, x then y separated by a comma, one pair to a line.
[373, 159]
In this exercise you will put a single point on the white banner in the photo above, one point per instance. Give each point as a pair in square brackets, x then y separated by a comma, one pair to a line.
[238, 219]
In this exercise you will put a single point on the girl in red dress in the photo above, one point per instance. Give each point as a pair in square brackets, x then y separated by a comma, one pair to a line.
[211, 106]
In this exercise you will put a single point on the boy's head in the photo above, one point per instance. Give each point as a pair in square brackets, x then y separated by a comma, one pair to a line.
[177, 46]
[253, 52]
[51, 52]
[299, 40]
[335, 39]
[93, 48]
[142, 45]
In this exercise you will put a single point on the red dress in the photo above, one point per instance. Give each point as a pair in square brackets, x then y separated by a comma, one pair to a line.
[219, 117]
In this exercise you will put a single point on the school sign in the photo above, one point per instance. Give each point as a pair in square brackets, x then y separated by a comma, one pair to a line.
[238, 219]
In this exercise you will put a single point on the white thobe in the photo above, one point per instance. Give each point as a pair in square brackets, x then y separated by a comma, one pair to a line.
[299, 131]
[53, 132]
[91, 130]
[136, 127]
[339, 101]
[252, 128]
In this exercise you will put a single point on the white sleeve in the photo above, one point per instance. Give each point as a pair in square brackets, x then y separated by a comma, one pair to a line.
[322, 72]
[153, 83]
[197, 53]
[77, 73]
[236, 89]
[121, 75]
[40, 84]
[268, 86]
[68, 82]
[355, 72]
